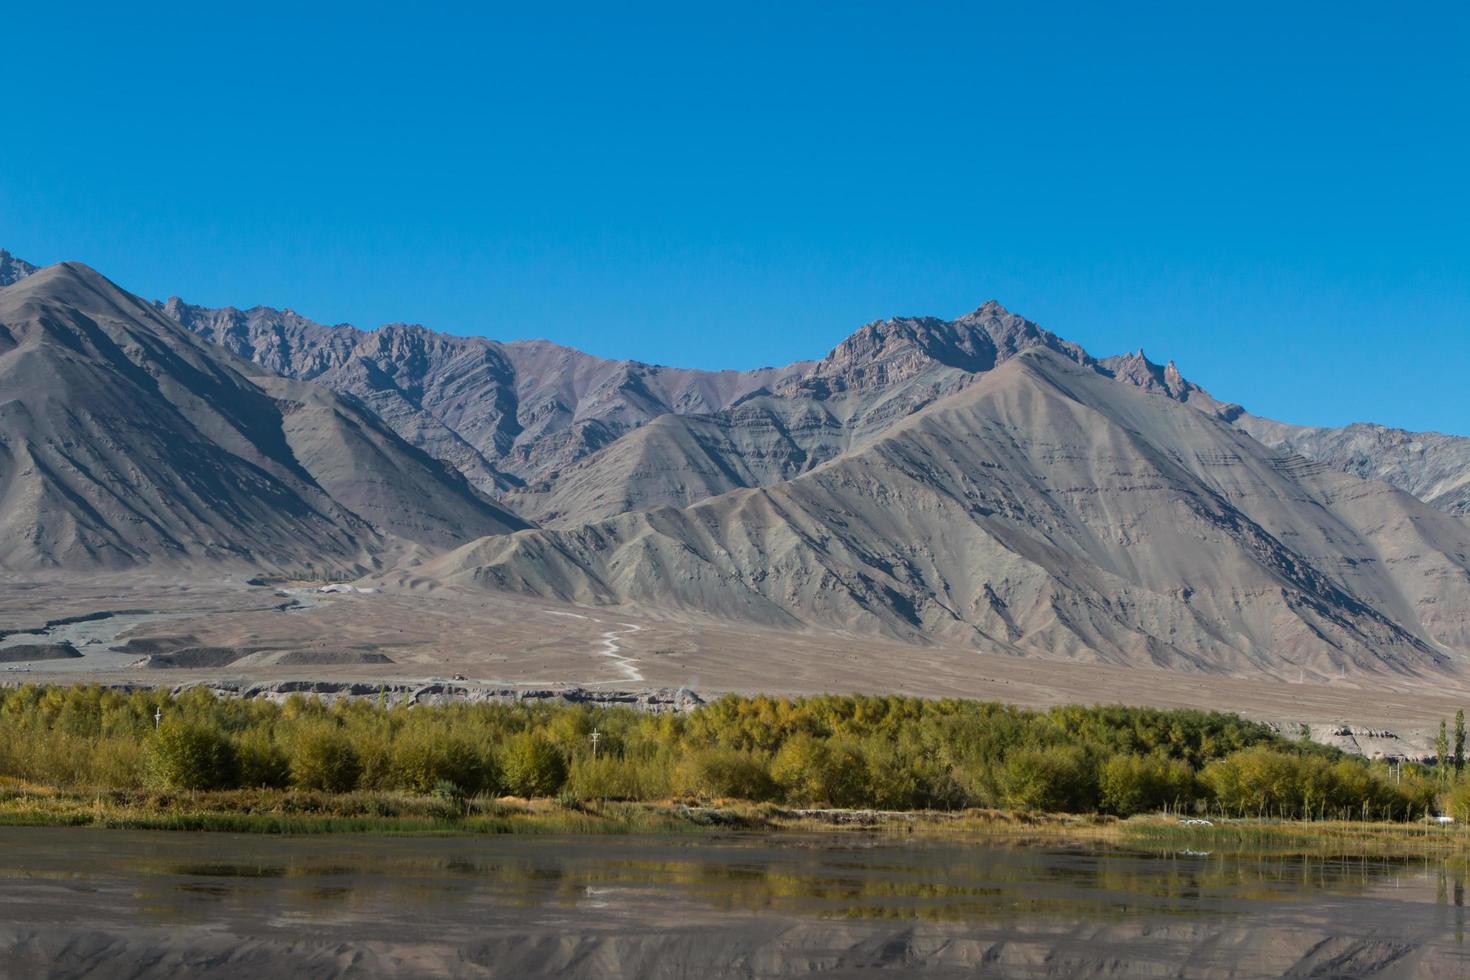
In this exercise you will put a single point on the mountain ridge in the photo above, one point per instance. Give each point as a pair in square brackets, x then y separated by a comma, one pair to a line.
[973, 482]
[889, 538]
[128, 439]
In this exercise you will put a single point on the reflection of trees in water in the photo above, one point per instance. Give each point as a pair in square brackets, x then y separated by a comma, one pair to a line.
[926, 882]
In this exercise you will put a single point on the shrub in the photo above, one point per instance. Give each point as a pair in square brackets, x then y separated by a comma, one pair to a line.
[423, 759]
[262, 763]
[725, 772]
[1054, 779]
[620, 778]
[323, 759]
[1129, 784]
[813, 772]
[187, 754]
[532, 766]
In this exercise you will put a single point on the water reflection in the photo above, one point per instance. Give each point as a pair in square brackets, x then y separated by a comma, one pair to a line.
[1165, 904]
[824, 877]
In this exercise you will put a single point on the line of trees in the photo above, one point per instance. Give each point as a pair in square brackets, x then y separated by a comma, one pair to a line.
[871, 752]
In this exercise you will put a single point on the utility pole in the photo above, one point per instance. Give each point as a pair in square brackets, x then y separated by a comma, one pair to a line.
[157, 716]
[596, 737]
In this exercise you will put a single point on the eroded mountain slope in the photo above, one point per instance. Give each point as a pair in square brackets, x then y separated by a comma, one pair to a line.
[880, 375]
[503, 413]
[126, 439]
[1048, 510]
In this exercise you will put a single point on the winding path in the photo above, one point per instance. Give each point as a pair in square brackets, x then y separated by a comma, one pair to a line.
[611, 649]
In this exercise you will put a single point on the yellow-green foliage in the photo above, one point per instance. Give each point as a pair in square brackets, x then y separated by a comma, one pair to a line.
[533, 765]
[187, 753]
[1272, 782]
[324, 758]
[831, 751]
[1131, 784]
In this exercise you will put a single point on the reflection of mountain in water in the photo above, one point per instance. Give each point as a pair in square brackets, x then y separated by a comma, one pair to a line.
[663, 907]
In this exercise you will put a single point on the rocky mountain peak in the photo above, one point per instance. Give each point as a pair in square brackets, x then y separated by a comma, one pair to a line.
[888, 352]
[1136, 369]
[13, 268]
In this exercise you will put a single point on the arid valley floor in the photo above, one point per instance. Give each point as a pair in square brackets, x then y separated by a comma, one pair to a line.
[436, 642]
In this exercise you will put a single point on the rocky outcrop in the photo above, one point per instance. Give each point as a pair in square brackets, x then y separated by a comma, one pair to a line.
[13, 269]
[1431, 465]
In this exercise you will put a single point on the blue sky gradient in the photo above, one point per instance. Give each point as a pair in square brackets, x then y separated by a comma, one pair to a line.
[1274, 195]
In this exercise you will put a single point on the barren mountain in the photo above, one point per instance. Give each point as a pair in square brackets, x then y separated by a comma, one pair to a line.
[126, 439]
[564, 436]
[977, 481]
[1048, 510]
[883, 373]
[13, 269]
[1431, 465]
[502, 413]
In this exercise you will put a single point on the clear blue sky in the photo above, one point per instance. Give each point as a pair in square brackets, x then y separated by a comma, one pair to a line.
[1276, 195]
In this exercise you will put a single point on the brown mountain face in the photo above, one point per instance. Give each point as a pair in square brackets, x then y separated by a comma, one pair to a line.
[564, 437]
[1044, 509]
[125, 439]
[879, 376]
[1431, 465]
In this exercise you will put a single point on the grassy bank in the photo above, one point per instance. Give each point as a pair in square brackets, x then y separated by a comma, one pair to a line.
[298, 812]
[302, 813]
[1356, 838]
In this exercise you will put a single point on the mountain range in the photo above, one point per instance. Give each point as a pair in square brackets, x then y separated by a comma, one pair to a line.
[126, 439]
[977, 481]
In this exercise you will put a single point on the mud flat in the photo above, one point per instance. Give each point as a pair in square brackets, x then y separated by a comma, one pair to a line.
[83, 902]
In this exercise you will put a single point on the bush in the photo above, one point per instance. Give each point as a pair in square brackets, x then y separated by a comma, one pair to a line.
[812, 772]
[1130, 784]
[323, 759]
[424, 759]
[613, 778]
[724, 772]
[187, 754]
[1056, 779]
[262, 763]
[846, 751]
[532, 766]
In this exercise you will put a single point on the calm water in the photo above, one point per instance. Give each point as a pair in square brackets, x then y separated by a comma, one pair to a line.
[117, 904]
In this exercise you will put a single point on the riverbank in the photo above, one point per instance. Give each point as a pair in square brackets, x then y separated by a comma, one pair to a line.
[302, 813]
[297, 812]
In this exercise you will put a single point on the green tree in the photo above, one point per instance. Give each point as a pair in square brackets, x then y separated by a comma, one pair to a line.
[323, 758]
[188, 754]
[813, 772]
[725, 772]
[1459, 743]
[1058, 778]
[262, 762]
[1442, 753]
[531, 765]
[1129, 784]
[423, 758]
